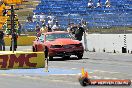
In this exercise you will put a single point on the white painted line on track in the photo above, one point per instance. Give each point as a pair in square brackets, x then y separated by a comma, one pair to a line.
[108, 78]
[90, 72]
[65, 74]
[38, 78]
[96, 77]
[114, 78]
[30, 77]
[105, 71]
[73, 68]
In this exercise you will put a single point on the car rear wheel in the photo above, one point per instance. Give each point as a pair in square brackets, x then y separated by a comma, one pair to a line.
[50, 58]
[80, 56]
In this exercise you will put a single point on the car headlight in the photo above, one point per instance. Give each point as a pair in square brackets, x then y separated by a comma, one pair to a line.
[55, 46]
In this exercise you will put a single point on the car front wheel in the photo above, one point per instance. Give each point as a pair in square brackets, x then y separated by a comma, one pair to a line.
[80, 56]
[33, 49]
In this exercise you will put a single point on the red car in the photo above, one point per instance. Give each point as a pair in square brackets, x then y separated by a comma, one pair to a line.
[58, 44]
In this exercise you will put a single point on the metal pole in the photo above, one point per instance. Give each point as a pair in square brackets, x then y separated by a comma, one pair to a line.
[46, 64]
[12, 27]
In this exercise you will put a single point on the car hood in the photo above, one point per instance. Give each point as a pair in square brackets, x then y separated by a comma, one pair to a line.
[63, 41]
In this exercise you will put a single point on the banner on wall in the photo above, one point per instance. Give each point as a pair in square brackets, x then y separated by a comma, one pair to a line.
[22, 60]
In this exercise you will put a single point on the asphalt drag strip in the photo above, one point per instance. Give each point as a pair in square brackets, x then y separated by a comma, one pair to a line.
[39, 78]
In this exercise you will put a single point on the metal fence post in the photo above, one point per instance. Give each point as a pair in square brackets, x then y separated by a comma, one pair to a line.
[12, 27]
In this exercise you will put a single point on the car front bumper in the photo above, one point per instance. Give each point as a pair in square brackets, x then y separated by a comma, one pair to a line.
[65, 52]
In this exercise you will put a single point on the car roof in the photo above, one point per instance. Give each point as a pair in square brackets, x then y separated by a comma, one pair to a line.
[55, 32]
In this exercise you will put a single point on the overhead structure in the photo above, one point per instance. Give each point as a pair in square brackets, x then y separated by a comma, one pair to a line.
[13, 1]
[11, 22]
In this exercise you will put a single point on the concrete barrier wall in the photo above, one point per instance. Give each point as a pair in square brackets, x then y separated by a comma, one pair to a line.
[129, 43]
[22, 40]
[109, 42]
[97, 42]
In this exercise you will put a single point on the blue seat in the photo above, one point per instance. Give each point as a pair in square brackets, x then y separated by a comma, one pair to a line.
[102, 16]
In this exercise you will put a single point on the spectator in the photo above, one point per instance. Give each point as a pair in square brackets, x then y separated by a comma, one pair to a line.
[50, 22]
[43, 21]
[79, 32]
[4, 12]
[73, 29]
[1, 2]
[43, 29]
[90, 4]
[29, 18]
[37, 29]
[42, 17]
[34, 17]
[85, 25]
[50, 17]
[14, 40]
[19, 28]
[99, 3]
[2, 42]
[49, 28]
[55, 27]
[69, 27]
[107, 3]
[23, 30]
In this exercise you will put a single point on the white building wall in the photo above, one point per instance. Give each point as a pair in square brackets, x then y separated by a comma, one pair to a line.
[108, 42]
[129, 42]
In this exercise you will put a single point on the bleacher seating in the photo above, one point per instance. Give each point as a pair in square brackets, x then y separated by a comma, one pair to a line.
[65, 11]
[30, 26]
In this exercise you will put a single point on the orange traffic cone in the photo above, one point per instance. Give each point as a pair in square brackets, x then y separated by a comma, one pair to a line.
[84, 74]
[84, 80]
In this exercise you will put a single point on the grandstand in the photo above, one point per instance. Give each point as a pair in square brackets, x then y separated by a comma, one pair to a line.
[65, 11]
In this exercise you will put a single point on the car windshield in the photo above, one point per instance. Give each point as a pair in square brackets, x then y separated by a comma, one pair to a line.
[51, 37]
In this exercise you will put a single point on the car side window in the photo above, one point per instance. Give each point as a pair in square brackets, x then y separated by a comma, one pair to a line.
[41, 38]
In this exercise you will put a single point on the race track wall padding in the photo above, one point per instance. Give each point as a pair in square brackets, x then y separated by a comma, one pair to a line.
[115, 43]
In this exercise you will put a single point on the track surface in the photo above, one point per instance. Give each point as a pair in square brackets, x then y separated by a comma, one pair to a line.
[66, 73]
